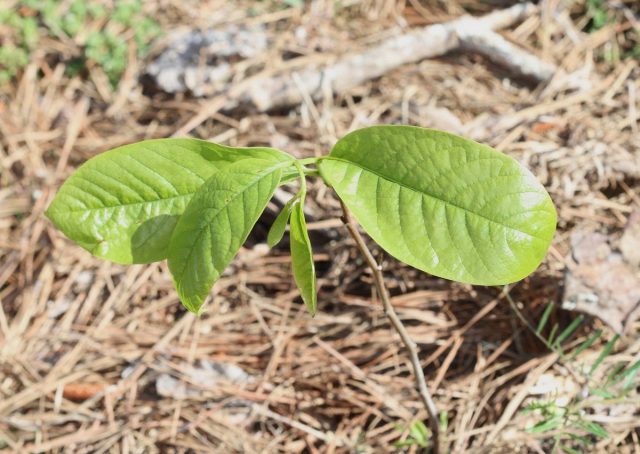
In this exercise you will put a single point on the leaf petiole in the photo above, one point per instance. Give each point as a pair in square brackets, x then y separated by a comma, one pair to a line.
[313, 160]
[291, 174]
[303, 180]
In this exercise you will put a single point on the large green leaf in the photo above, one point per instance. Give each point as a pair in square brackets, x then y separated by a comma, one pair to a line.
[302, 257]
[217, 222]
[446, 205]
[122, 205]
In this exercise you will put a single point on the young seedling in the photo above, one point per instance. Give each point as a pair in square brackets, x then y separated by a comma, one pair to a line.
[441, 203]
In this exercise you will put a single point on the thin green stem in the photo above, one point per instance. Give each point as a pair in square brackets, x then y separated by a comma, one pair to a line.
[313, 160]
[303, 180]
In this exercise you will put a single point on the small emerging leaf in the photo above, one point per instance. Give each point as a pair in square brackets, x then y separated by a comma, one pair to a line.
[420, 433]
[443, 204]
[302, 257]
[276, 232]
[217, 222]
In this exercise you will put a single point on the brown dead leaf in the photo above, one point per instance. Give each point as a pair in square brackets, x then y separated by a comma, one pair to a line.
[602, 284]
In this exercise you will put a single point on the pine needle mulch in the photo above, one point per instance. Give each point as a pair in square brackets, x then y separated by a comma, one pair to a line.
[97, 357]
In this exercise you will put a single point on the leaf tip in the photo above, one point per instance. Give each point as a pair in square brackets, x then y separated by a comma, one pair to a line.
[195, 307]
[272, 242]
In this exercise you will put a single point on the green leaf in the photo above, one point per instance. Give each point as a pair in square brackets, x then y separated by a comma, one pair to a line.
[420, 433]
[123, 205]
[444, 420]
[217, 222]
[302, 257]
[594, 428]
[443, 204]
[546, 425]
[276, 232]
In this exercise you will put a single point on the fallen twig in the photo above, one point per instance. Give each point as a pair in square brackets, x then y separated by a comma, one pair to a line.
[464, 33]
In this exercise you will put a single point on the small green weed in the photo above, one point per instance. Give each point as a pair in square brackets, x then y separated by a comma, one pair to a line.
[569, 426]
[419, 435]
[100, 33]
[626, 43]
[598, 12]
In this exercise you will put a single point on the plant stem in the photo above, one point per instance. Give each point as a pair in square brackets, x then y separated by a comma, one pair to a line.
[303, 180]
[409, 344]
[312, 160]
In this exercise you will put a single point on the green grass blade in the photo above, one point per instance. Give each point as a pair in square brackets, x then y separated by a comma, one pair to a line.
[544, 318]
[569, 330]
[594, 429]
[552, 336]
[629, 376]
[605, 352]
[586, 344]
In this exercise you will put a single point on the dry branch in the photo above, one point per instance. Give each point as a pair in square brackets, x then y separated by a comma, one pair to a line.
[432, 41]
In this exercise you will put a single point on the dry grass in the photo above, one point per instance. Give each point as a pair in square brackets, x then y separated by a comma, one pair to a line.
[83, 342]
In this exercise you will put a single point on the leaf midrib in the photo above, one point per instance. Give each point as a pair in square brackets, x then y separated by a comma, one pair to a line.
[131, 204]
[438, 199]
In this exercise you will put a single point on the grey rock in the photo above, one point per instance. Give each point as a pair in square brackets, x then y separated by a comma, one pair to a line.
[199, 61]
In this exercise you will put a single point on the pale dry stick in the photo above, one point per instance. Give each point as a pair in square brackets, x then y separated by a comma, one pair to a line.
[389, 311]
[351, 70]
[74, 128]
[522, 393]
